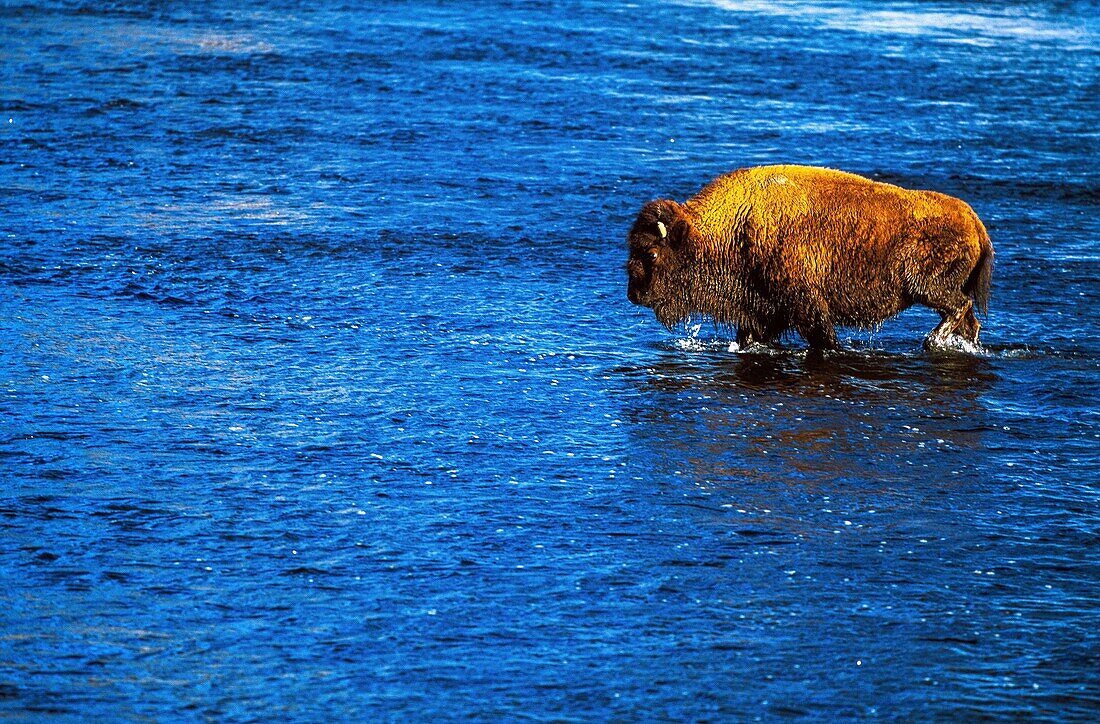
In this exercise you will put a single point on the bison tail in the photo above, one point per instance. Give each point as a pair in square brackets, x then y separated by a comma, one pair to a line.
[981, 278]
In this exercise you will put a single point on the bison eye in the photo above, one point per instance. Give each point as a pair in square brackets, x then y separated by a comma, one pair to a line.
[652, 255]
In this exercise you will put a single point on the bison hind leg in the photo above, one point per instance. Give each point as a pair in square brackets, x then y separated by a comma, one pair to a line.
[956, 319]
[969, 327]
[946, 293]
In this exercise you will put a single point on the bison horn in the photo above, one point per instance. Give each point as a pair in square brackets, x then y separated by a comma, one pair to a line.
[661, 228]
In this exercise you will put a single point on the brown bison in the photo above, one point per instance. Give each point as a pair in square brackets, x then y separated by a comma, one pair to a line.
[777, 248]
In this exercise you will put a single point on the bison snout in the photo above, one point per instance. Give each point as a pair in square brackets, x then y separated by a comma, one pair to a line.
[637, 295]
[637, 282]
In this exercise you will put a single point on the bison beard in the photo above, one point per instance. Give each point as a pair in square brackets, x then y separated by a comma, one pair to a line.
[780, 248]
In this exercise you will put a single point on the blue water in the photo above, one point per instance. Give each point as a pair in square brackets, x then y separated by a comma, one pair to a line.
[321, 397]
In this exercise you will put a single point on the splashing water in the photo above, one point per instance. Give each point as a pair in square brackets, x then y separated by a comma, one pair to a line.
[692, 342]
[957, 344]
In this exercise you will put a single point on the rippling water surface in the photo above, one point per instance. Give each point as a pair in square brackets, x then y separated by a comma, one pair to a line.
[321, 395]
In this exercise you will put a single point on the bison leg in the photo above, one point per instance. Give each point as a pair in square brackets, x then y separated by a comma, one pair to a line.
[952, 320]
[745, 337]
[820, 335]
[766, 333]
[969, 326]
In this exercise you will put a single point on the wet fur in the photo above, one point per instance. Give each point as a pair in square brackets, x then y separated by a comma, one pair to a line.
[779, 248]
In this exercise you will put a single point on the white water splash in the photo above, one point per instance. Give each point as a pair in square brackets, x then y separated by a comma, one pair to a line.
[955, 343]
[692, 342]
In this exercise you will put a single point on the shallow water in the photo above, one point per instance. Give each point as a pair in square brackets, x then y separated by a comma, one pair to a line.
[322, 396]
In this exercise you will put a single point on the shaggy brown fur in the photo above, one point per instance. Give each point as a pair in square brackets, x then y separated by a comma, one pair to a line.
[780, 248]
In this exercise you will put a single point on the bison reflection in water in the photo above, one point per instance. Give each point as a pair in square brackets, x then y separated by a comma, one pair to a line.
[780, 248]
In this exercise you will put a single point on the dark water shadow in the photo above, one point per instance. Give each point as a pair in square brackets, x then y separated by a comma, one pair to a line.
[874, 419]
[941, 378]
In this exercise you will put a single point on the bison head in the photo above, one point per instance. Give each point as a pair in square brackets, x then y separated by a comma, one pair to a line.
[658, 261]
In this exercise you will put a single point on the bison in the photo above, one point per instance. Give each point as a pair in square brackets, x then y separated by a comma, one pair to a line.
[779, 248]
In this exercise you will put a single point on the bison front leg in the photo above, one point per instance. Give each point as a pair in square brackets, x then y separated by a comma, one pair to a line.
[820, 334]
[813, 320]
[747, 337]
[821, 338]
[766, 332]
